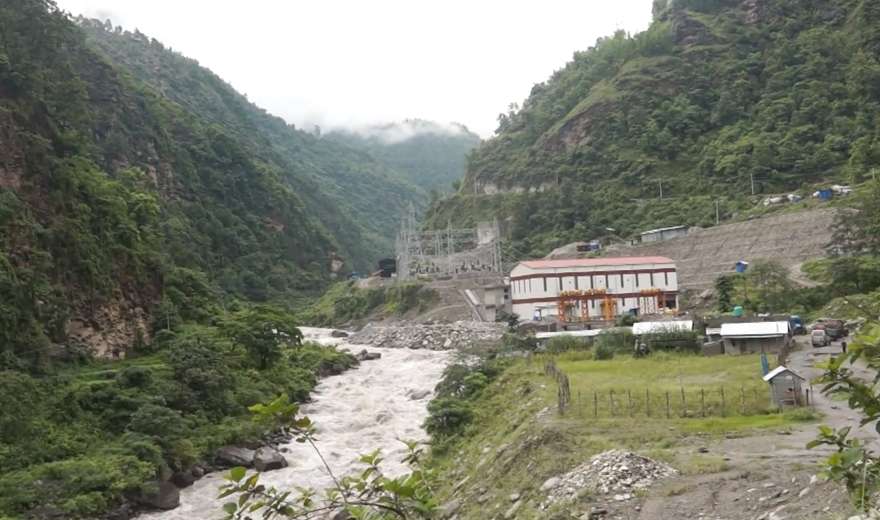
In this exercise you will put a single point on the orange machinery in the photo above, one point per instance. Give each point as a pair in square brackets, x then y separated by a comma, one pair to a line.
[569, 301]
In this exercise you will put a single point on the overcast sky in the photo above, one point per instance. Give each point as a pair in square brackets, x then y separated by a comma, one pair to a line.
[356, 62]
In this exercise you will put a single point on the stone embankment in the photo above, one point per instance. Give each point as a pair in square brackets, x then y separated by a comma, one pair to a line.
[431, 336]
[704, 254]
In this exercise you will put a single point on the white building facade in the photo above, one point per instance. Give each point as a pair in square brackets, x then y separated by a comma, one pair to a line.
[648, 284]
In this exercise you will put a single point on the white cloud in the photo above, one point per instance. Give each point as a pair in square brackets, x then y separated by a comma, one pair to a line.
[354, 63]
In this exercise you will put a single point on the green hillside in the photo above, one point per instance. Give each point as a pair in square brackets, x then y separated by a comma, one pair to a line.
[714, 94]
[428, 154]
[357, 198]
[135, 186]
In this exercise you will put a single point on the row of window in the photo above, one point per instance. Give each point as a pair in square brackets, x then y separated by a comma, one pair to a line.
[520, 287]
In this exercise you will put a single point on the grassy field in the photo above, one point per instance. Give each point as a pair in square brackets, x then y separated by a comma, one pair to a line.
[518, 439]
[679, 385]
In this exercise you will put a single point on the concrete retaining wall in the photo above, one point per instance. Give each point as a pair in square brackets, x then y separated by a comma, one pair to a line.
[703, 255]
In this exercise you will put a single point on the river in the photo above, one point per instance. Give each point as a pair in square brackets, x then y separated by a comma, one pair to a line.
[355, 412]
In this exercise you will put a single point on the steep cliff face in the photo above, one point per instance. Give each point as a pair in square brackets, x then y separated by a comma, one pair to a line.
[713, 94]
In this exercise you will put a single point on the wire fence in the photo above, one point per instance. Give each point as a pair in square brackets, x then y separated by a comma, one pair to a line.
[661, 402]
[669, 404]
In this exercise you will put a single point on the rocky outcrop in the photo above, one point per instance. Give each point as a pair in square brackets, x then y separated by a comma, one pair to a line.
[159, 495]
[230, 456]
[438, 336]
[268, 459]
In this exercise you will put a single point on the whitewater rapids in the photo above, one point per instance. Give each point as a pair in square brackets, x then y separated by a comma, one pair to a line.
[358, 411]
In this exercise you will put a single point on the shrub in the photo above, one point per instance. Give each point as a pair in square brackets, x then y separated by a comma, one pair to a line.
[560, 344]
[135, 377]
[447, 415]
[617, 340]
[603, 351]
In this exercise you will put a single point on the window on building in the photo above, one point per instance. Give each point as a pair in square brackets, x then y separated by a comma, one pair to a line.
[637, 279]
[607, 286]
[545, 284]
[652, 279]
[621, 280]
[576, 284]
[666, 277]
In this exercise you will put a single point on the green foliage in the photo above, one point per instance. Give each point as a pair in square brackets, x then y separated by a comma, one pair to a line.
[603, 351]
[724, 286]
[853, 462]
[447, 416]
[613, 341]
[700, 101]
[262, 331]
[561, 344]
[345, 302]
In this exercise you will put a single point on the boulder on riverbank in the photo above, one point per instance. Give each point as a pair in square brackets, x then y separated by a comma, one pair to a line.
[231, 456]
[268, 459]
[159, 495]
[363, 355]
[339, 334]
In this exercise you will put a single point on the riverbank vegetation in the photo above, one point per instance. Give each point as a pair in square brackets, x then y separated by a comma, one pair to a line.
[79, 438]
[529, 442]
[345, 302]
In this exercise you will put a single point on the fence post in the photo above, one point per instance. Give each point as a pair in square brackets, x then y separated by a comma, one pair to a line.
[723, 412]
[684, 406]
[702, 403]
[647, 402]
[595, 405]
[667, 404]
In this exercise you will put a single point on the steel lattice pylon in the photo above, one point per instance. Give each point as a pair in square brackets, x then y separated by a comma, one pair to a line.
[449, 251]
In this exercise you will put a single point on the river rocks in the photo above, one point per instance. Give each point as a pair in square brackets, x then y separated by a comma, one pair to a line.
[230, 456]
[159, 495]
[268, 459]
[183, 479]
[435, 336]
[363, 355]
[339, 334]
[418, 395]
[616, 472]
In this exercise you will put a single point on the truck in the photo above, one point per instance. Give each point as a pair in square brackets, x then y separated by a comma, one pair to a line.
[834, 329]
[818, 338]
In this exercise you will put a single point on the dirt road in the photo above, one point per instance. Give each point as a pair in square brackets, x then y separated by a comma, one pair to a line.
[767, 476]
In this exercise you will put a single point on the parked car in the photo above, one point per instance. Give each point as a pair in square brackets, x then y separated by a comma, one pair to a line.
[819, 339]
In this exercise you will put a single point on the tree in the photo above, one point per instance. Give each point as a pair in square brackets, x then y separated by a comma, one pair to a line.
[859, 231]
[724, 286]
[262, 331]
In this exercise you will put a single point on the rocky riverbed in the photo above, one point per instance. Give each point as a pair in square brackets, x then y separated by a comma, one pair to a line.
[370, 407]
[429, 336]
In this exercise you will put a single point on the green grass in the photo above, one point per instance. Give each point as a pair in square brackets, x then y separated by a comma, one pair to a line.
[518, 440]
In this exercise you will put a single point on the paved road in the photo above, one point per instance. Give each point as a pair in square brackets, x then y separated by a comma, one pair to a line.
[837, 413]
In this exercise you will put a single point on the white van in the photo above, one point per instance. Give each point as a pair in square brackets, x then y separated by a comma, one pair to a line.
[819, 338]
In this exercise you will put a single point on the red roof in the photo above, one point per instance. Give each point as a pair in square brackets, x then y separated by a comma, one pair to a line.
[596, 262]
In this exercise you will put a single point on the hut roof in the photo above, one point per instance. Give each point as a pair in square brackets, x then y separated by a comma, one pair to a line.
[779, 371]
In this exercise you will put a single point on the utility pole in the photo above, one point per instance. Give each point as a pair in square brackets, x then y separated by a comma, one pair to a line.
[661, 189]
[717, 213]
[752, 176]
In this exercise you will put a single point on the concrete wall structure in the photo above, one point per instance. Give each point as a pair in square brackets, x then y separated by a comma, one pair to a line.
[537, 284]
[704, 254]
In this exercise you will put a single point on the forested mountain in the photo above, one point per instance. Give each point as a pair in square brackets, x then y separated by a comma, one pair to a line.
[714, 94]
[358, 199]
[429, 154]
[134, 183]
